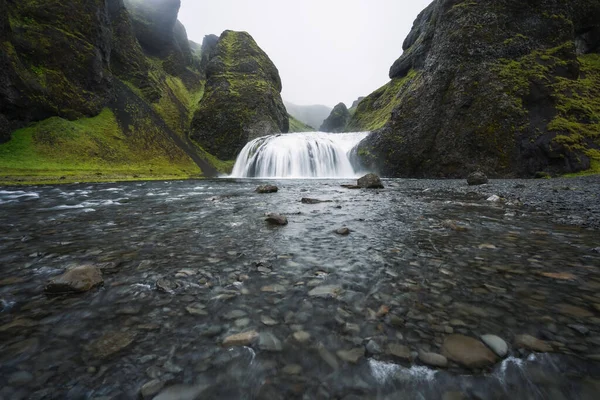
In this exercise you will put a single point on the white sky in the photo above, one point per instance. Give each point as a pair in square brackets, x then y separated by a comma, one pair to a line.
[326, 51]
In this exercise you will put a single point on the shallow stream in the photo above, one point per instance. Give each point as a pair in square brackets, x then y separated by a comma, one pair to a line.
[405, 275]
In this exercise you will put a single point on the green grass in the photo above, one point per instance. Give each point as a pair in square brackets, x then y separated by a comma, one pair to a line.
[88, 149]
[299, 126]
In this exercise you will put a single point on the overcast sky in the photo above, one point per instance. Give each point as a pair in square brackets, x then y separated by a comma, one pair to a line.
[326, 51]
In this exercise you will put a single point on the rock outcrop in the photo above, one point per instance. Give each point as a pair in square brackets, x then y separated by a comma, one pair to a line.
[337, 120]
[242, 99]
[508, 87]
[110, 88]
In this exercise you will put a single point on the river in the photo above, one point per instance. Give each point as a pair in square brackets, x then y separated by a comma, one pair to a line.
[424, 260]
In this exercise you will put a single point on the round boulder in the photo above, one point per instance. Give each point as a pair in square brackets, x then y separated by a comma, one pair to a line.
[267, 189]
[370, 181]
[477, 178]
[468, 352]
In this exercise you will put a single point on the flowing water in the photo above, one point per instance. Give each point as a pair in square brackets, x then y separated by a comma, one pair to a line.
[299, 155]
[401, 277]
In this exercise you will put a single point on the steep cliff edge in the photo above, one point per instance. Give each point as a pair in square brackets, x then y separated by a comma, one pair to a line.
[242, 99]
[508, 87]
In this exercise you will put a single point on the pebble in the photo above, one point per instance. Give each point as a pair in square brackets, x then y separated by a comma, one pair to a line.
[268, 321]
[269, 342]
[343, 231]
[325, 291]
[151, 388]
[531, 343]
[111, 343]
[240, 339]
[301, 336]
[400, 351]
[292, 369]
[580, 329]
[433, 359]
[496, 343]
[352, 356]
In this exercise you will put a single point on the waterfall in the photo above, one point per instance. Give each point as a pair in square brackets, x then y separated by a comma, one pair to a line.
[299, 155]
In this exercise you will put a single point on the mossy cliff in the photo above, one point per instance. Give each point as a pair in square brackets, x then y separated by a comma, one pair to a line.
[508, 87]
[101, 89]
[242, 98]
[337, 119]
[298, 126]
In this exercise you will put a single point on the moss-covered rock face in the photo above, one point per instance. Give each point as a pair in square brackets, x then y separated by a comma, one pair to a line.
[506, 87]
[90, 98]
[337, 120]
[242, 99]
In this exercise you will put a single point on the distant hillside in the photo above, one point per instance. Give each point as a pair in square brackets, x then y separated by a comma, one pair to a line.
[311, 115]
[299, 126]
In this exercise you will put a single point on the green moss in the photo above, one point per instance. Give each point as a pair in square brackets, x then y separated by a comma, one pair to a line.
[375, 110]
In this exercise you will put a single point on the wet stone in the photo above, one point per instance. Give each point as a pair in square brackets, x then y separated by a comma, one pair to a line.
[531, 343]
[20, 378]
[111, 343]
[166, 286]
[352, 356]
[468, 352]
[267, 189]
[325, 291]
[301, 336]
[574, 311]
[240, 339]
[497, 345]
[400, 351]
[268, 321]
[269, 342]
[197, 309]
[343, 231]
[276, 219]
[76, 280]
[151, 388]
[292, 369]
[433, 359]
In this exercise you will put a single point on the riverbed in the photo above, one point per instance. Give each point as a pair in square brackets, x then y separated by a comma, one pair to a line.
[188, 264]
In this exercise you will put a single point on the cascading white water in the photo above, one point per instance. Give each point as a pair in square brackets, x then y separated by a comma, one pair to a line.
[299, 155]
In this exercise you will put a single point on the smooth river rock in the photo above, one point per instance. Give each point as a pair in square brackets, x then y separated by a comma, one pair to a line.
[433, 359]
[496, 343]
[240, 339]
[111, 343]
[276, 219]
[531, 343]
[76, 280]
[468, 352]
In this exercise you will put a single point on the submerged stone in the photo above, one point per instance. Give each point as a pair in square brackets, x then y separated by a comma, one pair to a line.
[76, 280]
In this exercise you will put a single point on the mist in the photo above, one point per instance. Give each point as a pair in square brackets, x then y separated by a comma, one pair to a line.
[326, 51]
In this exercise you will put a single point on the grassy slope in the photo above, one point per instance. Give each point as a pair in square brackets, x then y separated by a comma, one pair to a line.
[298, 126]
[89, 149]
[375, 110]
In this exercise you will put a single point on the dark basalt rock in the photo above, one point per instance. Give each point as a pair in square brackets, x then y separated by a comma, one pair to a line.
[267, 189]
[477, 178]
[495, 85]
[337, 120]
[242, 99]
[370, 181]
[276, 219]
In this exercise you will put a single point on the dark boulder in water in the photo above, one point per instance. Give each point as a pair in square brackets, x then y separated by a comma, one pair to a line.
[370, 181]
[276, 219]
[267, 189]
[477, 178]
